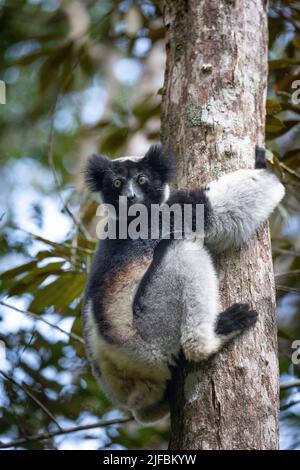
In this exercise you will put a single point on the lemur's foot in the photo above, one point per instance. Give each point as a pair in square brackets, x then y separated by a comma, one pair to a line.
[143, 393]
[152, 413]
[136, 399]
[236, 319]
[199, 346]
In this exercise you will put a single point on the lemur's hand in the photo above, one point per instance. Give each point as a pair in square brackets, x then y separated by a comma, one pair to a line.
[260, 157]
[236, 319]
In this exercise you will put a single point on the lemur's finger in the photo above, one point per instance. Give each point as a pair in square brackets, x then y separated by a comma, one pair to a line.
[260, 157]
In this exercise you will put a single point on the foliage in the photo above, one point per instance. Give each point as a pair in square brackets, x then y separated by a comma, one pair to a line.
[60, 62]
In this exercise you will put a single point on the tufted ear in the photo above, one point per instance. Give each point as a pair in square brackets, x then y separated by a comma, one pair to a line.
[95, 170]
[162, 162]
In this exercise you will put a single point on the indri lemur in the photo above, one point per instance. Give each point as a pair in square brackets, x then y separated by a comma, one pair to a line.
[147, 300]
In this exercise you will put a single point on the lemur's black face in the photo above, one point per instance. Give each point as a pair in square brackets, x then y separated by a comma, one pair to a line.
[142, 180]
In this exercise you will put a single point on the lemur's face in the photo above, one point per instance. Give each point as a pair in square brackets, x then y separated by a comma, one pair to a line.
[142, 180]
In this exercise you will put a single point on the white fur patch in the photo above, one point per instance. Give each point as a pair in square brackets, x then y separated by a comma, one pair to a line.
[134, 159]
[241, 201]
[166, 193]
[200, 302]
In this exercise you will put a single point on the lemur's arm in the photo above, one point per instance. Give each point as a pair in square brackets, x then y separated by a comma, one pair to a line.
[239, 203]
[235, 205]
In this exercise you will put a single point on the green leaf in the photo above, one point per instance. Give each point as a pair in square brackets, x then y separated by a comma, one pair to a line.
[13, 273]
[86, 62]
[59, 248]
[273, 107]
[60, 293]
[147, 108]
[292, 158]
[29, 58]
[284, 83]
[113, 139]
[274, 124]
[50, 69]
[282, 64]
[30, 287]
[287, 125]
[296, 43]
[30, 279]
[291, 107]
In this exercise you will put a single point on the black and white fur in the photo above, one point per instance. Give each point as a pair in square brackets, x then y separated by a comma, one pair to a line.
[146, 300]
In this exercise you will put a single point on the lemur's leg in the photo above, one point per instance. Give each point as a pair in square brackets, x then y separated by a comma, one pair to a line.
[200, 303]
[229, 324]
[133, 370]
[239, 203]
[204, 330]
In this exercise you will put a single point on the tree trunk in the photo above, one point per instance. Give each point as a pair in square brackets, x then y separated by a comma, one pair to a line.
[213, 115]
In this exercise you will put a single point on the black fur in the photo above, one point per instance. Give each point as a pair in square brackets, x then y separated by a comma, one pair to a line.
[161, 162]
[235, 318]
[117, 258]
[159, 250]
[96, 168]
[113, 255]
[157, 166]
[260, 157]
[192, 197]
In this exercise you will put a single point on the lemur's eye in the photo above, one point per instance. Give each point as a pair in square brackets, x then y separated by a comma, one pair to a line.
[141, 180]
[117, 184]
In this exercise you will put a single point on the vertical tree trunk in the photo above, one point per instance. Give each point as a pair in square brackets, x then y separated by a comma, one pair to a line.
[213, 115]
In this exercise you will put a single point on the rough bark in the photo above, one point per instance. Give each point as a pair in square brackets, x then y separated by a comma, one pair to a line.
[213, 114]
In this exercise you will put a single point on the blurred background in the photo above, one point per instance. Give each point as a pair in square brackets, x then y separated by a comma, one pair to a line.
[83, 77]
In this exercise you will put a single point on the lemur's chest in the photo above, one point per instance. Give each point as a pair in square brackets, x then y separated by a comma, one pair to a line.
[117, 301]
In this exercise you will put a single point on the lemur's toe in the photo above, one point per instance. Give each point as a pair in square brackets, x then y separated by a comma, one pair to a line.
[236, 318]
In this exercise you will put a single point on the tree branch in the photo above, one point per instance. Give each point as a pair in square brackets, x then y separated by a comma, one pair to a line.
[289, 405]
[282, 251]
[282, 288]
[291, 384]
[37, 317]
[289, 170]
[49, 435]
[32, 396]
[288, 273]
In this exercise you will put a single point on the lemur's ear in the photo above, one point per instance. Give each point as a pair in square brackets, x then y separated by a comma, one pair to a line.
[161, 161]
[95, 170]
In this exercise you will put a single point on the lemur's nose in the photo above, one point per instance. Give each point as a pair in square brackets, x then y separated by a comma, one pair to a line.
[129, 192]
[131, 197]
